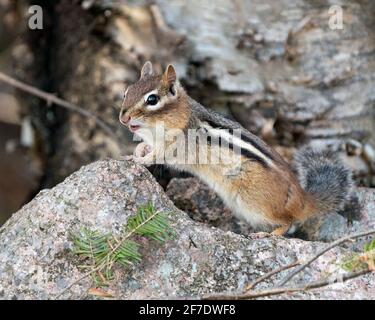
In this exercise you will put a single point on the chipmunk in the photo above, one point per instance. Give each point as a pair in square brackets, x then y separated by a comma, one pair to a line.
[265, 191]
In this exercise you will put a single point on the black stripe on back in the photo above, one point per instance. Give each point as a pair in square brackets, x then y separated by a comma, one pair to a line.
[249, 155]
[240, 151]
[256, 145]
[246, 138]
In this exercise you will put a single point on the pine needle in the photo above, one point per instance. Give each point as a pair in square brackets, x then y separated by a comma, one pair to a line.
[156, 228]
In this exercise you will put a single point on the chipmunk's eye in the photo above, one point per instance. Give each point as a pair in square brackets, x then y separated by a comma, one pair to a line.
[152, 99]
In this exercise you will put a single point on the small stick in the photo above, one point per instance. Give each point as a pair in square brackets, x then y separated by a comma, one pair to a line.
[329, 247]
[50, 98]
[270, 274]
[276, 291]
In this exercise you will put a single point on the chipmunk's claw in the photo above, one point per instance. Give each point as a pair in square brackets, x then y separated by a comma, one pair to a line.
[146, 161]
[127, 157]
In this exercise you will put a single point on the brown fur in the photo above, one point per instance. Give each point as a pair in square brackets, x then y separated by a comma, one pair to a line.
[136, 91]
[134, 106]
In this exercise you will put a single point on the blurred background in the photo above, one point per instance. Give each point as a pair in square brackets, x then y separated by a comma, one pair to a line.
[294, 72]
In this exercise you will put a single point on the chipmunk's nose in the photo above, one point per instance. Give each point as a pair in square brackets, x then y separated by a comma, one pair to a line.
[124, 119]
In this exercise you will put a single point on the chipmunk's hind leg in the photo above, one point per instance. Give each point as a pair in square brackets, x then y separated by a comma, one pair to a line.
[281, 230]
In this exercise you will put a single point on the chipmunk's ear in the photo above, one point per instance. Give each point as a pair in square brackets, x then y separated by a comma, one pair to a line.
[147, 69]
[169, 76]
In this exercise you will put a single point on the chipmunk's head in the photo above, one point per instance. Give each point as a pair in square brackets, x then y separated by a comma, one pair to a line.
[154, 99]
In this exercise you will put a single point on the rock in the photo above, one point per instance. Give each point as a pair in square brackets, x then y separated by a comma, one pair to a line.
[204, 205]
[37, 262]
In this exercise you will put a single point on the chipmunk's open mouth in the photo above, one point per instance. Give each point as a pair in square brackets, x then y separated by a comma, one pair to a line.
[134, 125]
[134, 128]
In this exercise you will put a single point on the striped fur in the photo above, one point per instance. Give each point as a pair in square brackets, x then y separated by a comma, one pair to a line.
[239, 145]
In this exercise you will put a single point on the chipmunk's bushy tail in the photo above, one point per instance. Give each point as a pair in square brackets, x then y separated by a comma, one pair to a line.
[325, 178]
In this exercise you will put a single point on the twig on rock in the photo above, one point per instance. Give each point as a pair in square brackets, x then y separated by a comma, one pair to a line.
[329, 247]
[277, 291]
[270, 274]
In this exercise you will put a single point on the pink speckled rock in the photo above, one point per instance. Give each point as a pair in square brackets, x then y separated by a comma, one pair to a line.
[36, 261]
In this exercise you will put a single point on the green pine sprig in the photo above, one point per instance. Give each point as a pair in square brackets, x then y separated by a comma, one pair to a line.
[102, 251]
[156, 228]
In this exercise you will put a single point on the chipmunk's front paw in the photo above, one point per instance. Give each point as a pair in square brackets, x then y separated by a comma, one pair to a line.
[142, 150]
[142, 155]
